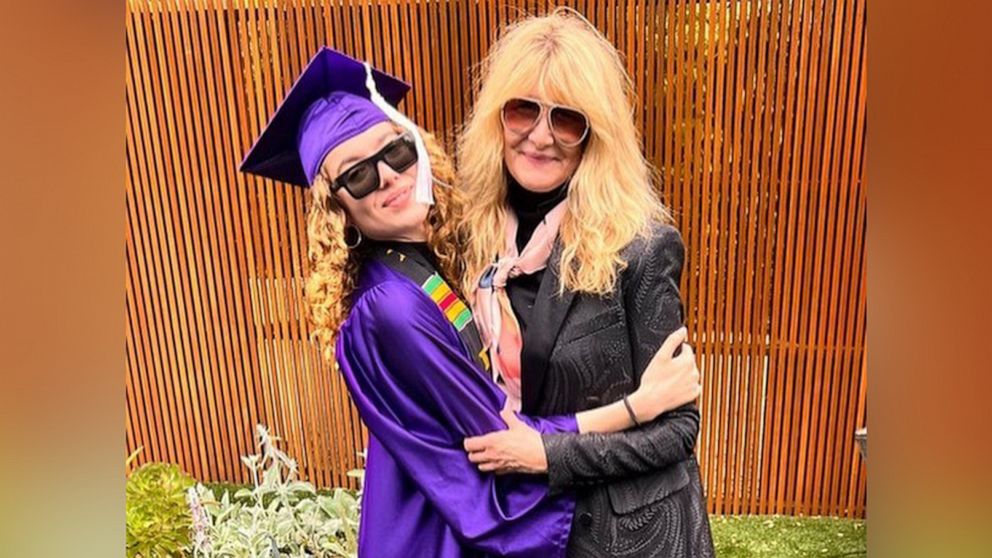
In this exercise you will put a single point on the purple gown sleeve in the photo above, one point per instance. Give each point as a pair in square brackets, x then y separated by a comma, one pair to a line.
[420, 395]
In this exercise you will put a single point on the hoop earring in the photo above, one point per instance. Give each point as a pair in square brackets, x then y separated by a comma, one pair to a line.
[358, 233]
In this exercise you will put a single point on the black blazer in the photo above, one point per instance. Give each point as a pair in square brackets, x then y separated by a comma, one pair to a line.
[638, 491]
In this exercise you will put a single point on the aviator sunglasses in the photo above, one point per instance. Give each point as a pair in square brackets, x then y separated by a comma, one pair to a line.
[569, 126]
[362, 178]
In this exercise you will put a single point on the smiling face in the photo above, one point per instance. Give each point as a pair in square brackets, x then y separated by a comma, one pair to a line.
[389, 212]
[534, 159]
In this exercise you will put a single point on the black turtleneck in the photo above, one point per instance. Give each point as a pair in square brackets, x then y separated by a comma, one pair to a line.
[530, 209]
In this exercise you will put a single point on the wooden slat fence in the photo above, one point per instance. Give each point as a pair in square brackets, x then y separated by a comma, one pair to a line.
[754, 111]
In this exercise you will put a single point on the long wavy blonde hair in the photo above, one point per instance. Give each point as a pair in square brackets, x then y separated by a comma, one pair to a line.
[612, 195]
[334, 267]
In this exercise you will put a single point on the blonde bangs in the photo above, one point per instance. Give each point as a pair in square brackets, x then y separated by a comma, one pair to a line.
[612, 195]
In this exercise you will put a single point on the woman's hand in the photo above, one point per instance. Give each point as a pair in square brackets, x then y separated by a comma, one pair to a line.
[669, 382]
[519, 449]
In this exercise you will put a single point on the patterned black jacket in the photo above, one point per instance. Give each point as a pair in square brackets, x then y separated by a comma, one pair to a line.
[639, 492]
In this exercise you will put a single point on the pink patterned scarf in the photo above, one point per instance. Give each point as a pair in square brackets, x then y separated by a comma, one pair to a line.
[497, 323]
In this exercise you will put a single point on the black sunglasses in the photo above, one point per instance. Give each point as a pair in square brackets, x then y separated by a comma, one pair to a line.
[362, 178]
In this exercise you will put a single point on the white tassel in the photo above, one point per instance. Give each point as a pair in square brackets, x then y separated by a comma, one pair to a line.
[424, 192]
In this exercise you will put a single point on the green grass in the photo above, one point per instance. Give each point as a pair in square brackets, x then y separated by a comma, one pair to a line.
[775, 536]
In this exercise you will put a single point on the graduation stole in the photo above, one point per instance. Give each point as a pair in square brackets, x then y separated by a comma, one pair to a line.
[411, 264]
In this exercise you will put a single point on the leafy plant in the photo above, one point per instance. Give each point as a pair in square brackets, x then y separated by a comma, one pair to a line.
[279, 516]
[157, 517]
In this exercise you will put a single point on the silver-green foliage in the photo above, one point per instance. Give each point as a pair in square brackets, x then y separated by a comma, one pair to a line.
[156, 515]
[280, 517]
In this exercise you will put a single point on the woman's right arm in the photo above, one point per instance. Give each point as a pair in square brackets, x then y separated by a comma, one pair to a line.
[668, 382]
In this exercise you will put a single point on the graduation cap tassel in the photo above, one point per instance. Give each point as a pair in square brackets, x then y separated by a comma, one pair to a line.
[424, 192]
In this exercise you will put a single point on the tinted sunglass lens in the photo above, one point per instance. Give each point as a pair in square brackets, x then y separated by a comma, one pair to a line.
[400, 155]
[520, 115]
[362, 179]
[569, 125]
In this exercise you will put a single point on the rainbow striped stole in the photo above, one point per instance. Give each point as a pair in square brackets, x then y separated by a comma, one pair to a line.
[453, 308]
[421, 272]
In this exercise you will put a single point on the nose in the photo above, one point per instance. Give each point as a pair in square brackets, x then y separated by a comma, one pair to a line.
[541, 135]
[387, 176]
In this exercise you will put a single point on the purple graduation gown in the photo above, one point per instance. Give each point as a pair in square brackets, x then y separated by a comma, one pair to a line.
[420, 394]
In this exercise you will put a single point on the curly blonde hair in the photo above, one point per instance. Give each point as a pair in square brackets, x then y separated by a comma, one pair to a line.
[334, 268]
[612, 195]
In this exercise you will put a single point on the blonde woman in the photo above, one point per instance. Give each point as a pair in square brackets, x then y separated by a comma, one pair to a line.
[575, 271]
[383, 253]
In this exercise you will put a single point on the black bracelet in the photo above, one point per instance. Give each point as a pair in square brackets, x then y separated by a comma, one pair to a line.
[630, 411]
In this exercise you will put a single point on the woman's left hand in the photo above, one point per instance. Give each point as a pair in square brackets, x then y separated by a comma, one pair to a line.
[519, 449]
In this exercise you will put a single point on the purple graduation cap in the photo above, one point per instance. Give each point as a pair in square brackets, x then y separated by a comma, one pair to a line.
[335, 98]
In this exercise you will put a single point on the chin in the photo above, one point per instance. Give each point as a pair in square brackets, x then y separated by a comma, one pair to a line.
[540, 184]
[411, 219]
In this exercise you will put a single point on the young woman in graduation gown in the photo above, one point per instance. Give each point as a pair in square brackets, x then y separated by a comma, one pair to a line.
[384, 254]
[584, 287]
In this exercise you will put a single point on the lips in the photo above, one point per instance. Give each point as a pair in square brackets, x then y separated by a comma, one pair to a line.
[538, 159]
[397, 198]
